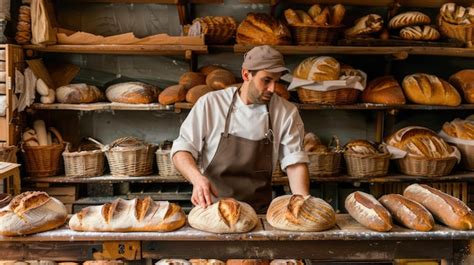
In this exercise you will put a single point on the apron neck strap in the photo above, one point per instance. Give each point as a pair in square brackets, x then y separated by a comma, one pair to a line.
[227, 118]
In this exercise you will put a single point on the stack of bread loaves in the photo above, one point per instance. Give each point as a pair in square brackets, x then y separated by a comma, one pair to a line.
[260, 28]
[430, 90]
[414, 25]
[23, 33]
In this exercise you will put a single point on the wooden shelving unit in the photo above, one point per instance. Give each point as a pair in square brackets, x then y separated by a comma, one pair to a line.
[101, 106]
[109, 179]
[379, 3]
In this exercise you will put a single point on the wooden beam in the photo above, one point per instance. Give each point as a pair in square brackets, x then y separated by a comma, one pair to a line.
[165, 49]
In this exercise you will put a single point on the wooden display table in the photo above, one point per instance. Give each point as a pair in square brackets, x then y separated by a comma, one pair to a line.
[11, 172]
[347, 241]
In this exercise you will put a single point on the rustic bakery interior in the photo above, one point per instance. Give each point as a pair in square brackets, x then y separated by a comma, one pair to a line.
[238, 132]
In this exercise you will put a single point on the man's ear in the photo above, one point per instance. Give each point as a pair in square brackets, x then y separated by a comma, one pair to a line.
[246, 75]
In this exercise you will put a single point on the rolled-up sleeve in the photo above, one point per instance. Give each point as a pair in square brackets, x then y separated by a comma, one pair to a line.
[192, 132]
[291, 145]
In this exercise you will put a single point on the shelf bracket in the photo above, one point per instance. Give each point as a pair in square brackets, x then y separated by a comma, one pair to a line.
[182, 12]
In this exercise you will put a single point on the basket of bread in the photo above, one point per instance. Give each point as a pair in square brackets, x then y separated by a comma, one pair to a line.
[461, 134]
[420, 151]
[457, 22]
[7, 153]
[164, 162]
[365, 159]
[216, 29]
[318, 26]
[87, 160]
[323, 80]
[324, 161]
[42, 150]
[129, 156]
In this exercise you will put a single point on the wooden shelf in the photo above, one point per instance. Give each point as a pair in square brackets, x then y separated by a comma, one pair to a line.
[121, 49]
[407, 3]
[356, 50]
[101, 106]
[108, 179]
[163, 2]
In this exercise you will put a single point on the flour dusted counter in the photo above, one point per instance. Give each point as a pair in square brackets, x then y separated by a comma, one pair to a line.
[348, 241]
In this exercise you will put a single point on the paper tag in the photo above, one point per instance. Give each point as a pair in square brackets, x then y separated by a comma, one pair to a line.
[355, 82]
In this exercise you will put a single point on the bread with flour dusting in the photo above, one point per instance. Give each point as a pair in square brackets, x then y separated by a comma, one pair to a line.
[408, 212]
[448, 209]
[318, 69]
[225, 216]
[31, 212]
[366, 210]
[135, 215]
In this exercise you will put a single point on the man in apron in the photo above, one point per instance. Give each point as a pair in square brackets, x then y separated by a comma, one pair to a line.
[232, 139]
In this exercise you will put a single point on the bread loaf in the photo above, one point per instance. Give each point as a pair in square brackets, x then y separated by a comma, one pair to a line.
[132, 93]
[412, 18]
[457, 14]
[323, 18]
[78, 93]
[408, 212]
[207, 69]
[224, 216]
[49, 99]
[315, 10]
[337, 14]
[260, 28]
[462, 129]
[129, 215]
[366, 210]
[41, 87]
[292, 17]
[172, 94]
[463, 81]
[192, 79]
[425, 32]
[318, 69]
[282, 91]
[430, 90]
[196, 92]
[420, 142]
[447, 209]
[31, 212]
[286, 262]
[172, 262]
[362, 147]
[220, 79]
[206, 262]
[365, 25]
[383, 90]
[217, 29]
[301, 213]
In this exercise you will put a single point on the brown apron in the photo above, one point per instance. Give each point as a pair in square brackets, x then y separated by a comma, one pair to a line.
[242, 168]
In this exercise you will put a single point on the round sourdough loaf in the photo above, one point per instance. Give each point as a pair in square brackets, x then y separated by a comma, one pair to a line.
[132, 93]
[207, 69]
[224, 216]
[408, 212]
[366, 210]
[31, 212]
[301, 213]
[78, 93]
[220, 79]
[430, 90]
[318, 69]
[383, 90]
[196, 92]
[192, 79]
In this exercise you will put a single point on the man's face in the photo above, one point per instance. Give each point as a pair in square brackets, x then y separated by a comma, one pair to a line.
[262, 86]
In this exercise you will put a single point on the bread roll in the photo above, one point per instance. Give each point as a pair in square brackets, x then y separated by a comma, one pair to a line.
[224, 216]
[366, 210]
[207, 69]
[318, 69]
[220, 79]
[31, 212]
[196, 92]
[420, 142]
[425, 32]
[337, 14]
[463, 81]
[301, 213]
[383, 90]
[362, 147]
[462, 129]
[260, 28]
[430, 90]
[78, 93]
[129, 215]
[172, 94]
[192, 79]
[132, 93]
[408, 212]
[447, 209]
[368, 24]
[412, 18]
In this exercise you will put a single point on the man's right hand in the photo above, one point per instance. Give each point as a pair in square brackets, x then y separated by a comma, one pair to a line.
[202, 192]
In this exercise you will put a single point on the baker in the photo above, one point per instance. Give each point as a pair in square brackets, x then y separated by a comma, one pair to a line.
[237, 134]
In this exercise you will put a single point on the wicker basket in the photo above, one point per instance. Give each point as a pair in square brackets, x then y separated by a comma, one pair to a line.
[43, 161]
[464, 33]
[130, 160]
[338, 96]
[327, 164]
[165, 165]
[83, 163]
[364, 166]
[8, 154]
[315, 35]
[216, 29]
[415, 166]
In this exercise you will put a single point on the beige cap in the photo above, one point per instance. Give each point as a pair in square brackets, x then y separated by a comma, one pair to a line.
[264, 58]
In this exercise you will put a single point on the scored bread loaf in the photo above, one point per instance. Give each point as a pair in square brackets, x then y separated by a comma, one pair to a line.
[463, 81]
[430, 90]
[217, 29]
[366, 210]
[365, 25]
[260, 28]
[420, 142]
[408, 212]
[172, 94]
[425, 32]
[78, 93]
[458, 128]
[301, 213]
[129, 215]
[318, 69]
[448, 209]
[132, 93]
[362, 147]
[196, 92]
[383, 90]
[224, 216]
[220, 79]
[192, 79]
[412, 18]
[31, 212]
[206, 262]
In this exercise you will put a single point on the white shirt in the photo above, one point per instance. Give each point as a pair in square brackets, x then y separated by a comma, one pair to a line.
[201, 130]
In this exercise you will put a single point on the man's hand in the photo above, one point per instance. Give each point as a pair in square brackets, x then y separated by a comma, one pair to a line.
[202, 192]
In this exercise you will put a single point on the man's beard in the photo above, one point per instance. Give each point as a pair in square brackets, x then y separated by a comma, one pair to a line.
[256, 97]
